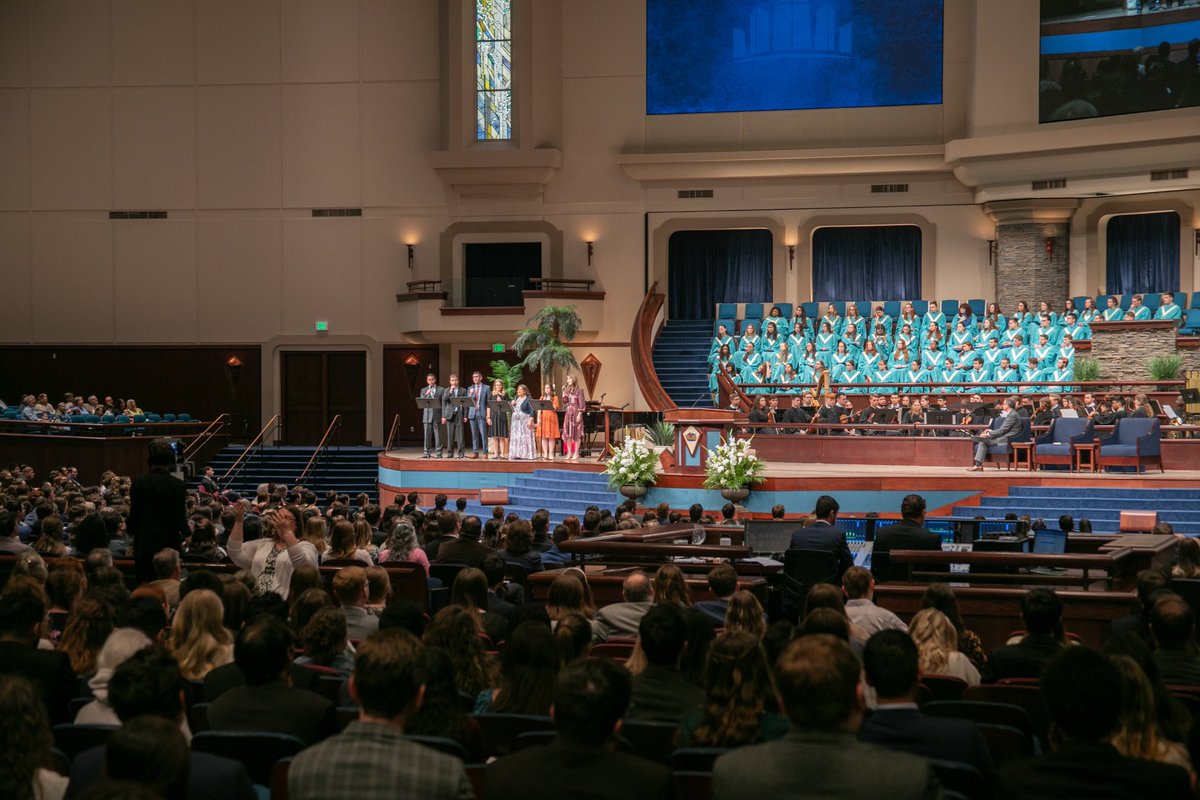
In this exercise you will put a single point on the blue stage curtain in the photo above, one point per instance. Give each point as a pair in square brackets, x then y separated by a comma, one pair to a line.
[867, 263]
[1143, 253]
[710, 267]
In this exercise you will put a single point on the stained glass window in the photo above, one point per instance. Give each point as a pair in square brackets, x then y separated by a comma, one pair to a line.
[493, 69]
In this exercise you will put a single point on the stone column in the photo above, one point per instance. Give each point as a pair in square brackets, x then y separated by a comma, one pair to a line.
[1026, 267]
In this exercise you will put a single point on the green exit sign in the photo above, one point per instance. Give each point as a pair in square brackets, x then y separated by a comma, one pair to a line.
[498, 348]
[322, 326]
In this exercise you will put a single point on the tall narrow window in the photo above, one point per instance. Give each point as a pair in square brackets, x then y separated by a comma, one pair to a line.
[493, 70]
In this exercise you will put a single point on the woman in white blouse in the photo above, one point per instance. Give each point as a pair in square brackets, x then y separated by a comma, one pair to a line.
[272, 559]
[937, 641]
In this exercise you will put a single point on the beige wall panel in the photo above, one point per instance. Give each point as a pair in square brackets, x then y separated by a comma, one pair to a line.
[14, 43]
[892, 125]
[400, 40]
[603, 116]
[616, 264]
[320, 40]
[688, 132]
[322, 275]
[604, 39]
[16, 319]
[239, 146]
[322, 153]
[154, 146]
[397, 135]
[14, 144]
[71, 260]
[237, 41]
[246, 254]
[1004, 99]
[155, 269]
[154, 42]
[794, 130]
[72, 148]
[69, 43]
[385, 272]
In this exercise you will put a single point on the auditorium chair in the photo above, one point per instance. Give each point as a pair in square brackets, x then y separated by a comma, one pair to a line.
[961, 778]
[500, 731]
[279, 779]
[1057, 445]
[77, 703]
[696, 759]
[618, 648]
[256, 750]
[197, 716]
[811, 310]
[446, 573]
[533, 739]
[786, 309]
[1007, 743]
[1005, 715]
[73, 739]
[944, 687]
[1152, 300]
[652, 739]
[1004, 453]
[1191, 321]
[1189, 590]
[892, 309]
[1027, 697]
[442, 744]
[1134, 442]
[754, 313]
[729, 324]
[693, 785]
[727, 311]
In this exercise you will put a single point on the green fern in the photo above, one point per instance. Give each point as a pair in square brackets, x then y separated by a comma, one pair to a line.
[1087, 369]
[508, 374]
[1165, 368]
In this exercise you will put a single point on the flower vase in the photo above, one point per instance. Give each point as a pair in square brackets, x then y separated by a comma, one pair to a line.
[736, 496]
[633, 491]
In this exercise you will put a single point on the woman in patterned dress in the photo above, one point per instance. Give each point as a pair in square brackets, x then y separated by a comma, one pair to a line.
[521, 444]
[547, 424]
[573, 405]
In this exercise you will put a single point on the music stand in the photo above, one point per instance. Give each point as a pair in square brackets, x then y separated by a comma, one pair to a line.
[939, 417]
[430, 402]
[462, 403]
[1190, 396]
[542, 405]
[499, 407]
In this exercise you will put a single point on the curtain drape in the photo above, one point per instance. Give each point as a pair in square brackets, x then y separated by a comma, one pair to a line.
[1143, 253]
[867, 263]
[710, 267]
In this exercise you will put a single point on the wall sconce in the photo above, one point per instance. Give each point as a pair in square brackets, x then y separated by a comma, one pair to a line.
[591, 250]
[1050, 248]
[412, 254]
[791, 256]
[993, 252]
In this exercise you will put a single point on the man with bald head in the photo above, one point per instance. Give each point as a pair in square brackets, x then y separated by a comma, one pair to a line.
[622, 619]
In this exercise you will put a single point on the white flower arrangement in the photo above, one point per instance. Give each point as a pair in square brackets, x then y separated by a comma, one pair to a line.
[634, 463]
[732, 466]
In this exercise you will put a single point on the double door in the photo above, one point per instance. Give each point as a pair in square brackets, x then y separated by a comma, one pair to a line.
[317, 386]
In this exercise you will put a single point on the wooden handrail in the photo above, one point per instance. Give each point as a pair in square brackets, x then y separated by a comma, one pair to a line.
[392, 434]
[641, 341]
[274, 421]
[334, 424]
[205, 435]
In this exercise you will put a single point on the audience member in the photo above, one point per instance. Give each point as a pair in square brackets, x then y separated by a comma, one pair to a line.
[722, 582]
[823, 534]
[528, 668]
[88, 627]
[572, 637]
[326, 644]
[119, 646]
[908, 534]
[1041, 609]
[149, 751]
[937, 642]
[454, 629]
[941, 596]
[466, 547]
[859, 587]
[670, 587]
[622, 619]
[739, 697]
[518, 548]
[470, 591]
[48, 670]
[745, 613]
[441, 712]
[199, 638]
[25, 741]
[1138, 733]
[350, 589]
[271, 560]
[661, 691]
[1173, 631]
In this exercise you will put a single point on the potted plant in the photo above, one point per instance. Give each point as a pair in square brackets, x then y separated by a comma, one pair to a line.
[662, 433]
[544, 343]
[1087, 369]
[631, 468]
[508, 374]
[1165, 368]
[733, 469]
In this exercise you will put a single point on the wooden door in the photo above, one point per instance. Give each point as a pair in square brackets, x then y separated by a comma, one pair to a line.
[404, 371]
[318, 386]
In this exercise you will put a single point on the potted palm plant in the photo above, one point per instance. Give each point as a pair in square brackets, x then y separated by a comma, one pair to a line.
[544, 343]
[508, 374]
[733, 469]
[632, 467]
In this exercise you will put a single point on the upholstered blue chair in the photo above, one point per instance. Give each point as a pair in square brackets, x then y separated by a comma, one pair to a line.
[727, 311]
[1152, 300]
[727, 322]
[754, 313]
[978, 306]
[168, 417]
[1057, 445]
[185, 417]
[1134, 442]
[784, 308]
[153, 418]
[892, 308]
[810, 309]
[950, 309]
[1004, 453]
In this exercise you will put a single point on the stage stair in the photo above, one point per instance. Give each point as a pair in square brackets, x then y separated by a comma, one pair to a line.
[346, 470]
[681, 361]
[562, 492]
[1103, 506]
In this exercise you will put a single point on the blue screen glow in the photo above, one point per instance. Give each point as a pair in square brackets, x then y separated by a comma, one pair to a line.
[763, 55]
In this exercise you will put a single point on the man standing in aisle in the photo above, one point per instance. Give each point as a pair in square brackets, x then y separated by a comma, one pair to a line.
[431, 416]
[477, 414]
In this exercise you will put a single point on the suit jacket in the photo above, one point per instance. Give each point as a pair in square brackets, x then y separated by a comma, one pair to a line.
[663, 693]
[463, 551]
[560, 769]
[274, 707]
[432, 415]
[372, 761]
[210, 777]
[714, 610]
[621, 619]
[1095, 771]
[1010, 426]
[498, 606]
[481, 400]
[48, 670]
[222, 679]
[449, 412]
[823, 536]
[1025, 659]
[821, 764]
[360, 623]
[904, 535]
[157, 518]
[906, 729]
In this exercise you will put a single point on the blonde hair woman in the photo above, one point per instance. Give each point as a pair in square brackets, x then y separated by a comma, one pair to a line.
[745, 613]
[937, 642]
[199, 639]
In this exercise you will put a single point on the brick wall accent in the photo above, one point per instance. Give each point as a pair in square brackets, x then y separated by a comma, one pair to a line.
[1023, 271]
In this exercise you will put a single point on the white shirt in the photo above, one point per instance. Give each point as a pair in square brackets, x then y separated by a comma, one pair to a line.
[253, 556]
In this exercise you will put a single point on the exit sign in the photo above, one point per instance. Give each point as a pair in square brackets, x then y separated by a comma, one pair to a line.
[498, 348]
[322, 326]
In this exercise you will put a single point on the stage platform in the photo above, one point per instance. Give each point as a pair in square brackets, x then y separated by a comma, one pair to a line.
[860, 488]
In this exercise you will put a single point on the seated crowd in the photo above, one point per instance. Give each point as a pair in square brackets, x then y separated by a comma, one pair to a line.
[821, 702]
[870, 354]
[35, 408]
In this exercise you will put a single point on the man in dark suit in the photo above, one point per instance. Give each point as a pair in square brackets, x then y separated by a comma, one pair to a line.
[431, 417]
[267, 701]
[452, 418]
[480, 394]
[590, 699]
[149, 682]
[908, 534]
[818, 678]
[157, 511]
[447, 526]
[1041, 609]
[1173, 630]
[49, 671]
[1082, 689]
[796, 416]
[661, 691]
[823, 534]
[890, 661]
[1149, 583]
[466, 548]
[1010, 426]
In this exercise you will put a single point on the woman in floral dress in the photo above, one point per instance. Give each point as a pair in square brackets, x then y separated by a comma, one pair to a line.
[521, 444]
[573, 406]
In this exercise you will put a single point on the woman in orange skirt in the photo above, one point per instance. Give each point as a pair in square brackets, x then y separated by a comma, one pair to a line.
[547, 425]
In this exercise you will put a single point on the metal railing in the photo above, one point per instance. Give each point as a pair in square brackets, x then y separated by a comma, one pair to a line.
[252, 449]
[214, 429]
[314, 465]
